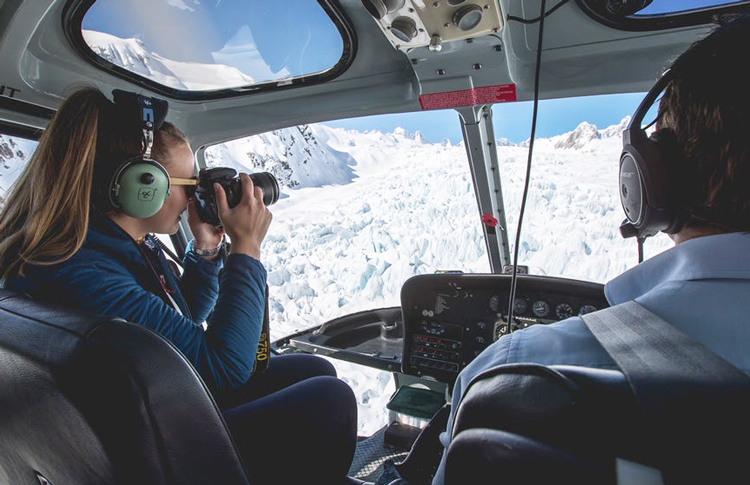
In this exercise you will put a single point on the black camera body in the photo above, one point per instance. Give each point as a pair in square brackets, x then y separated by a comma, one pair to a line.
[205, 197]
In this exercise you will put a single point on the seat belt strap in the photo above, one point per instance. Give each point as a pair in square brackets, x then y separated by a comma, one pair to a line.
[694, 403]
[645, 347]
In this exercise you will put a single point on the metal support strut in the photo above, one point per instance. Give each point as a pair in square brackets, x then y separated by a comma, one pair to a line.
[479, 138]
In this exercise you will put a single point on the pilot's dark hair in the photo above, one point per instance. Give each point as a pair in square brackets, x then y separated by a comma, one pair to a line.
[707, 106]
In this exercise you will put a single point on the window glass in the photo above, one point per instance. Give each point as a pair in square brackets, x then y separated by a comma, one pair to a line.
[201, 46]
[573, 213]
[641, 15]
[657, 7]
[15, 152]
[359, 213]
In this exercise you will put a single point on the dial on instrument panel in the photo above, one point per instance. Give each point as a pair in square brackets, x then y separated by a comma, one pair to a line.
[587, 309]
[494, 303]
[563, 311]
[519, 304]
[540, 308]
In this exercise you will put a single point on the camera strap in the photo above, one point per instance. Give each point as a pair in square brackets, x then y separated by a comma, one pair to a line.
[150, 254]
[263, 353]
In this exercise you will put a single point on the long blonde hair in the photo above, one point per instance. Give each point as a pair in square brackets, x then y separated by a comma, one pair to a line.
[45, 217]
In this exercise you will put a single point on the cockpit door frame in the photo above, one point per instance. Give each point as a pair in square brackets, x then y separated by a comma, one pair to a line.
[479, 139]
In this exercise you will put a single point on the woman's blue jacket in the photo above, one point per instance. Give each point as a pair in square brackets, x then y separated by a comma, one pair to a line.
[110, 275]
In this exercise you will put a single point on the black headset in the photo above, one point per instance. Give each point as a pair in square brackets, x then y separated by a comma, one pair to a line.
[136, 186]
[649, 166]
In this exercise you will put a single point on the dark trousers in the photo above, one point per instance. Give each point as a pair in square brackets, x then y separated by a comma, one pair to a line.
[295, 423]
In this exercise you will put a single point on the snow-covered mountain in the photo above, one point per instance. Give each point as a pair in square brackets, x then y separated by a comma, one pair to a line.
[301, 156]
[132, 55]
[14, 154]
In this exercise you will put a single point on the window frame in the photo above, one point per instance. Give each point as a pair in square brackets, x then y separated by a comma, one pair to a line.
[642, 23]
[72, 20]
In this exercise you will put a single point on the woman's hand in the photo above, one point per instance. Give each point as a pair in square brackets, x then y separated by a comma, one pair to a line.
[207, 236]
[247, 222]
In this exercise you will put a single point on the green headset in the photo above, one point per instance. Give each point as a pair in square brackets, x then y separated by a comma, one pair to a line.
[136, 186]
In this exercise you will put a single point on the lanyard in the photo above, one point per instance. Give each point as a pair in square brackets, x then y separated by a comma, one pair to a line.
[151, 255]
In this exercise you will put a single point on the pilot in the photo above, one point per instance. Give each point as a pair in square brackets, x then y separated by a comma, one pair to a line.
[77, 231]
[701, 285]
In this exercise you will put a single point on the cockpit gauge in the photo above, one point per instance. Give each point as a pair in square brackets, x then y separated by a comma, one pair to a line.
[587, 309]
[540, 308]
[563, 311]
[494, 303]
[519, 306]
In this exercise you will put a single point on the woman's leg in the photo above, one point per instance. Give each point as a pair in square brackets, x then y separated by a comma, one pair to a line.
[304, 433]
[282, 372]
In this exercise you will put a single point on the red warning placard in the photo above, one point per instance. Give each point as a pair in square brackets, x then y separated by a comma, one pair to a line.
[467, 97]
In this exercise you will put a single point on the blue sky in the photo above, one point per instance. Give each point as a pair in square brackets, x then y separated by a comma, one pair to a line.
[510, 120]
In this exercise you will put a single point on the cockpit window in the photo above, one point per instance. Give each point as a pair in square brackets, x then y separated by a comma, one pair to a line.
[211, 49]
[658, 7]
[15, 152]
[639, 15]
[360, 212]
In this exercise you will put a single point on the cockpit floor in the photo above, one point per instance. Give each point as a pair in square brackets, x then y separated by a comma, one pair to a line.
[370, 455]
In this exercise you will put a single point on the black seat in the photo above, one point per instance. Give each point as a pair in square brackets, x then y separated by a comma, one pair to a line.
[537, 424]
[86, 399]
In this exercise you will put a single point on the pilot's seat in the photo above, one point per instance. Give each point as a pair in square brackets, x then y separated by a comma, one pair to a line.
[534, 424]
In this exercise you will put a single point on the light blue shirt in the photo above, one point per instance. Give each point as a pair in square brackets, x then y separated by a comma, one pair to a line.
[701, 287]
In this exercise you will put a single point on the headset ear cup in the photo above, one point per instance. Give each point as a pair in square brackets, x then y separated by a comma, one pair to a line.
[672, 179]
[140, 188]
[645, 183]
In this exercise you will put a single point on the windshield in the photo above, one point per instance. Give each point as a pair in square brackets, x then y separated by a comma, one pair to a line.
[368, 203]
[360, 213]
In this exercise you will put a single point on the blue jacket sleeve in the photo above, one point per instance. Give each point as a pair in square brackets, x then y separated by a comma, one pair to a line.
[223, 355]
[199, 283]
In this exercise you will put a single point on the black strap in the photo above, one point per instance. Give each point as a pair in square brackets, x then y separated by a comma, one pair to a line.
[694, 402]
[649, 350]
[262, 354]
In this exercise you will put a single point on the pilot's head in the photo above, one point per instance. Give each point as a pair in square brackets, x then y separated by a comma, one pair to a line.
[692, 176]
[705, 110]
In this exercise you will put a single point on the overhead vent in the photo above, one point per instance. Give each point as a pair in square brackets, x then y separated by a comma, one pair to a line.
[417, 23]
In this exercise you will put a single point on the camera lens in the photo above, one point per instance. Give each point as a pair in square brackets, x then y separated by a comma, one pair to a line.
[269, 184]
[232, 185]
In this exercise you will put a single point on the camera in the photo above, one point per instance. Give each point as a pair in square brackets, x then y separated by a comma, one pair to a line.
[231, 183]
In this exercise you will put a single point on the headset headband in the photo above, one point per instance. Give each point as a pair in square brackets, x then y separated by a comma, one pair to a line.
[149, 112]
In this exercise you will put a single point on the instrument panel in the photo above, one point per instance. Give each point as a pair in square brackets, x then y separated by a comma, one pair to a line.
[449, 319]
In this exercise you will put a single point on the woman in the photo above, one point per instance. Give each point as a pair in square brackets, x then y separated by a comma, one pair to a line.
[73, 232]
